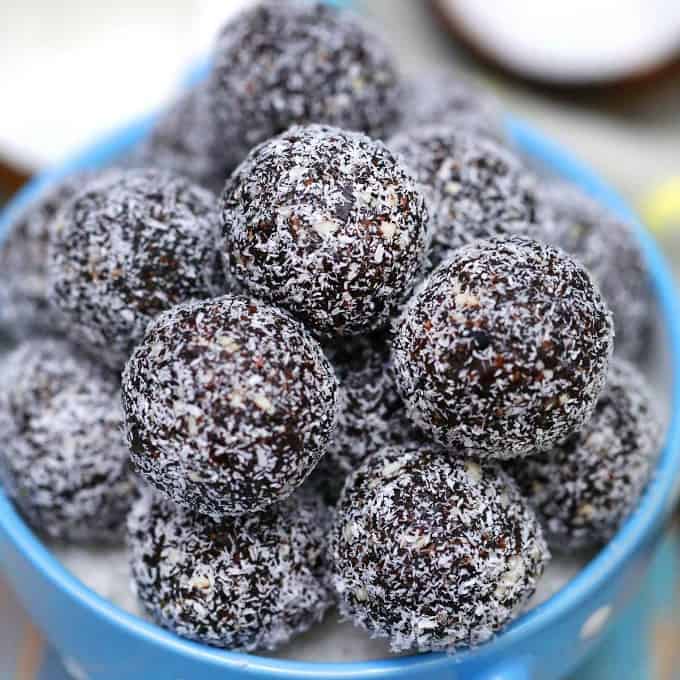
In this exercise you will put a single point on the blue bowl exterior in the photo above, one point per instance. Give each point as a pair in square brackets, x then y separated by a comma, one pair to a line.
[546, 643]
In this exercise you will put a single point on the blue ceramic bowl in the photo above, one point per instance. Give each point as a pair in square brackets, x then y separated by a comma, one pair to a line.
[548, 642]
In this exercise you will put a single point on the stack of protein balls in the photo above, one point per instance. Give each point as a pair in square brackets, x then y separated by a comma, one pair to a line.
[368, 373]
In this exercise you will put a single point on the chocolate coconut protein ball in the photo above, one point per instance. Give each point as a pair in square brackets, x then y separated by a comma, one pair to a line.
[63, 458]
[475, 187]
[585, 487]
[130, 245]
[283, 63]
[23, 262]
[505, 350]
[327, 224]
[229, 404]
[371, 414]
[440, 97]
[433, 551]
[606, 245]
[185, 140]
[244, 583]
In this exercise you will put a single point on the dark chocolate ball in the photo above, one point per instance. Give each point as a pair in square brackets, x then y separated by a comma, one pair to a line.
[130, 245]
[505, 350]
[585, 487]
[284, 63]
[443, 97]
[607, 247]
[327, 224]
[371, 414]
[185, 140]
[229, 404]
[431, 551]
[475, 187]
[244, 583]
[63, 458]
[24, 308]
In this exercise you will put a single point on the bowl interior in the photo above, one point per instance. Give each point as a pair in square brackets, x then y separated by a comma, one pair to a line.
[654, 506]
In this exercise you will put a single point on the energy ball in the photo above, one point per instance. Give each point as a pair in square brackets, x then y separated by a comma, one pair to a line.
[441, 97]
[244, 584]
[327, 224]
[284, 63]
[229, 404]
[63, 458]
[371, 414]
[23, 262]
[433, 552]
[505, 350]
[475, 187]
[130, 245]
[185, 140]
[607, 247]
[584, 488]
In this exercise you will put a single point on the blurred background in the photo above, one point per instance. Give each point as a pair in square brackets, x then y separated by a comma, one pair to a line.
[600, 76]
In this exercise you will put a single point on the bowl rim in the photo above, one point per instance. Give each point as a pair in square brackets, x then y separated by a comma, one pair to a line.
[655, 504]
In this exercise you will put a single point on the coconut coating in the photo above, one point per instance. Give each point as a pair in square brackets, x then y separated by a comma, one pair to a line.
[285, 63]
[475, 187]
[431, 551]
[371, 414]
[23, 262]
[584, 488]
[244, 584]
[185, 140]
[440, 97]
[229, 404]
[327, 224]
[63, 458]
[505, 350]
[130, 245]
[607, 247]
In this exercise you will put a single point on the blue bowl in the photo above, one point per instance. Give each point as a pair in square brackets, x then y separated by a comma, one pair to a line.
[546, 643]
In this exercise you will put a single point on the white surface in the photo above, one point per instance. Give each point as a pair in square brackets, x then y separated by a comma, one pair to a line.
[595, 622]
[573, 40]
[73, 69]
